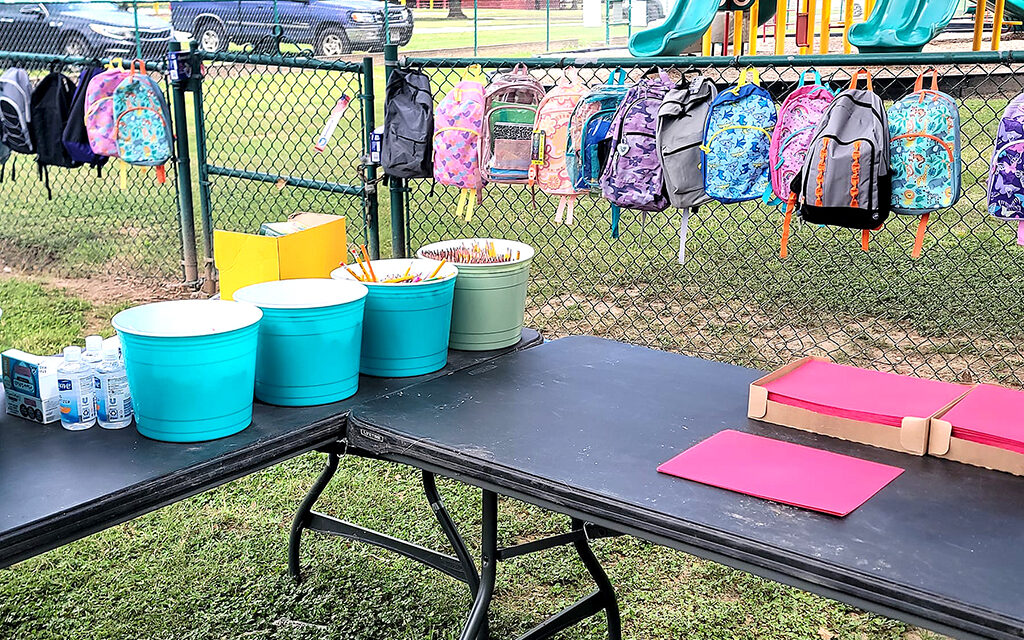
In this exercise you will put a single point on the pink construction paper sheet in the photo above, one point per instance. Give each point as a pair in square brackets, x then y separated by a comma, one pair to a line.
[990, 415]
[781, 471]
[860, 394]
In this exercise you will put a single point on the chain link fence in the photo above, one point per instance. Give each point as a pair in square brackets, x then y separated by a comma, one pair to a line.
[953, 314]
[94, 224]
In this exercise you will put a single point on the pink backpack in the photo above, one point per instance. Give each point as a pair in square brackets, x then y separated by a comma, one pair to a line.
[549, 171]
[457, 124]
[799, 116]
[99, 111]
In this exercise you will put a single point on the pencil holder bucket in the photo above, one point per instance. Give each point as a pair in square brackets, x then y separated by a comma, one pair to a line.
[405, 325]
[490, 299]
[309, 340]
[191, 367]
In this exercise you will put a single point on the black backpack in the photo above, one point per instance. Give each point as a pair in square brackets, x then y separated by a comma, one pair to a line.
[407, 146]
[75, 136]
[51, 106]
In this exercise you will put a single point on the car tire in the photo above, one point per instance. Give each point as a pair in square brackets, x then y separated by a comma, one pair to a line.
[75, 45]
[210, 37]
[333, 42]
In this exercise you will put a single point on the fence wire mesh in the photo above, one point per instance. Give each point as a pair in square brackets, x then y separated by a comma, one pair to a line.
[954, 314]
[93, 225]
[263, 120]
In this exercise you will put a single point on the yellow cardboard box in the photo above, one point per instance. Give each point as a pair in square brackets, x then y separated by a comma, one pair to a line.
[313, 252]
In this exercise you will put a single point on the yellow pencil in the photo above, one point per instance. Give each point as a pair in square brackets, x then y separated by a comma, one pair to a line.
[369, 266]
[354, 275]
[402, 279]
[407, 270]
[437, 270]
[359, 261]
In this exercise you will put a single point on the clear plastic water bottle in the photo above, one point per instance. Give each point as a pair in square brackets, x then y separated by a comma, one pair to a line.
[75, 387]
[93, 354]
[113, 398]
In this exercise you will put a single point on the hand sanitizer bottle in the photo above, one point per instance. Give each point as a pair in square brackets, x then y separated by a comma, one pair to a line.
[113, 399]
[93, 354]
[75, 388]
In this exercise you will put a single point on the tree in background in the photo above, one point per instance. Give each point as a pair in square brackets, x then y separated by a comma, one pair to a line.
[455, 10]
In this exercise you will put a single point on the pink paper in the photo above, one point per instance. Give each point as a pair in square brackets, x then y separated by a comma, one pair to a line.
[781, 471]
[990, 415]
[860, 394]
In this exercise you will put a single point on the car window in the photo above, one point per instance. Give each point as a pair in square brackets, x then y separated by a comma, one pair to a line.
[104, 6]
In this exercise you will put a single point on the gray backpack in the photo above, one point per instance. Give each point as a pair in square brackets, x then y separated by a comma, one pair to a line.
[5, 153]
[680, 133]
[15, 115]
[407, 147]
[845, 179]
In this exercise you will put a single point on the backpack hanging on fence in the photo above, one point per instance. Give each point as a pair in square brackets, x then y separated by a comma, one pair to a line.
[845, 180]
[5, 154]
[15, 113]
[551, 133]
[633, 178]
[799, 117]
[457, 121]
[142, 121]
[1005, 186]
[51, 106]
[736, 142]
[511, 102]
[589, 145]
[407, 147]
[75, 135]
[99, 111]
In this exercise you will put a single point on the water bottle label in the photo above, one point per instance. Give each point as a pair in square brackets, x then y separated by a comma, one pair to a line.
[113, 400]
[76, 399]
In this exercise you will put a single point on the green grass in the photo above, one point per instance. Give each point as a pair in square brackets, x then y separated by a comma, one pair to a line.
[39, 319]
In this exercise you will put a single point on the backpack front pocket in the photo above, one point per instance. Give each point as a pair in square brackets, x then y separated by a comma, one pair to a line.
[1005, 187]
[923, 172]
[736, 163]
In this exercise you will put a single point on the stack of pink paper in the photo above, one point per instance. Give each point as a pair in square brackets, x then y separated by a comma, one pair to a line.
[781, 471]
[990, 415]
[859, 394]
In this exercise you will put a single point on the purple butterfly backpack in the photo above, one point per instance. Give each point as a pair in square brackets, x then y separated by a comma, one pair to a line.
[1005, 188]
[633, 177]
[458, 121]
[799, 116]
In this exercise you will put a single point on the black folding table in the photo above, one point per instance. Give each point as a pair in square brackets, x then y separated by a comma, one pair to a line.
[579, 425]
[57, 486]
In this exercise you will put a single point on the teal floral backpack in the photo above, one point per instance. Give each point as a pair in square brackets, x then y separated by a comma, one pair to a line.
[924, 153]
[142, 121]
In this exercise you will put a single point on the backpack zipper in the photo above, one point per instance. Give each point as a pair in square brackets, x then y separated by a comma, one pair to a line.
[874, 163]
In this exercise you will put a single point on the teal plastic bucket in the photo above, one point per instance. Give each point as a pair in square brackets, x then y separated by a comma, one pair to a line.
[191, 367]
[490, 299]
[309, 340]
[405, 326]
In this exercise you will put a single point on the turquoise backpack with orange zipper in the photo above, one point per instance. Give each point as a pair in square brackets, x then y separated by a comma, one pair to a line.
[142, 121]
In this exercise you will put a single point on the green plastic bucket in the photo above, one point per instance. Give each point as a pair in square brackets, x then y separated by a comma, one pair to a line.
[309, 340]
[191, 367]
[405, 326]
[490, 299]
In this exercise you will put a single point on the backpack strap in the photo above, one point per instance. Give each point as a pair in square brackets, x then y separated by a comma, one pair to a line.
[856, 76]
[617, 77]
[787, 221]
[1020, 226]
[560, 211]
[919, 237]
[919, 84]
[803, 77]
[466, 202]
[865, 239]
[474, 72]
[616, 215]
[744, 77]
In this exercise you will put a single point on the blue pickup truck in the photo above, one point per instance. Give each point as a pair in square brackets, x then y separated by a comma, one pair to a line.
[332, 27]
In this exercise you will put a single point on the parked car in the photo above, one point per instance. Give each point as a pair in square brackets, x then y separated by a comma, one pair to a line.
[80, 29]
[332, 27]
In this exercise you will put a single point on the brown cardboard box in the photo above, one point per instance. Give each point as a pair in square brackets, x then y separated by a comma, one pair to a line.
[942, 444]
[911, 437]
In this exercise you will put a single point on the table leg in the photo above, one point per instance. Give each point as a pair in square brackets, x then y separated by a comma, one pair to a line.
[303, 515]
[451, 532]
[488, 568]
[605, 591]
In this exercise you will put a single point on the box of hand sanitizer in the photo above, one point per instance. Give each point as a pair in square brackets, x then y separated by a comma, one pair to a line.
[31, 385]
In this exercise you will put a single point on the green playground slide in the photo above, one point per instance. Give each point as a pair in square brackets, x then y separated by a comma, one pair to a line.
[902, 25]
[684, 26]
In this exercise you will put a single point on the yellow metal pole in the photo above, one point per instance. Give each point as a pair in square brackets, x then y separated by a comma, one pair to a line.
[847, 23]
[705, 45]
[811, 6]
[826, 25]
[997, 24]
[737, 33]
[752, 34]
[980, 7]
[781, 17]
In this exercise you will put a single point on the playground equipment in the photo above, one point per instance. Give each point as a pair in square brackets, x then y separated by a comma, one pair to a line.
[891, 25]
[687, 23]
[902, 25]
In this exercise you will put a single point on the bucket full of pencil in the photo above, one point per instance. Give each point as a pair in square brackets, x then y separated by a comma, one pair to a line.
[490, 294]
[407, 317]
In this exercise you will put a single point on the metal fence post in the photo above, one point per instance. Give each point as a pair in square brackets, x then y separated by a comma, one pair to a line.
[206, 217]
[396, 186]
[370, 169]
[189, 262]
